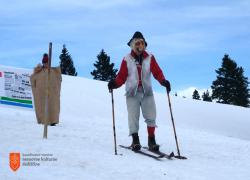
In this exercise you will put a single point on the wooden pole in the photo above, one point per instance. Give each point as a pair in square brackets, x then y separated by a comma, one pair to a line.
[113, 115]
[172, 118]
[45, 130]
[175, 134]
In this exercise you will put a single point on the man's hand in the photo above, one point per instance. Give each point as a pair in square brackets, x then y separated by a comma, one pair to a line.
[111, 85]
[166, 84]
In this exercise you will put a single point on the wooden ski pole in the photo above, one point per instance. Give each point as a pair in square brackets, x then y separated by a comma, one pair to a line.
[113, 115]
[45, 130]
[175, 134]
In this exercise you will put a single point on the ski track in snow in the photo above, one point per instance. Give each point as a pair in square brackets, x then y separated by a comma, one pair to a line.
[214, 137]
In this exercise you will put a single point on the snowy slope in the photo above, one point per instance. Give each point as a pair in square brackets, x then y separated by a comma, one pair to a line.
[214, 137]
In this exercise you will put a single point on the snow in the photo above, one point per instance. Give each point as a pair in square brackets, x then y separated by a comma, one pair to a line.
[214, 137]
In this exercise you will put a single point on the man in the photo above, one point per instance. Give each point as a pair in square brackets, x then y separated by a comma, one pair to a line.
[135, 71]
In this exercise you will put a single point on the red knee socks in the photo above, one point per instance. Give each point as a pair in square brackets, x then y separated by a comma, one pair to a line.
[151, 131]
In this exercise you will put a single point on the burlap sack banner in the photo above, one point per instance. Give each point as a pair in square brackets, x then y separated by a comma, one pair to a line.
[39, 87]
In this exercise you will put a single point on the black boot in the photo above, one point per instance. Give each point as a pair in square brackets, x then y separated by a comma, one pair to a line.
[152, 144]
[136, 146]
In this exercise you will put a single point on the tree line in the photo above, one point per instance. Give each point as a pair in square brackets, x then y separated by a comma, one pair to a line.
[104, 69]
[230, 85]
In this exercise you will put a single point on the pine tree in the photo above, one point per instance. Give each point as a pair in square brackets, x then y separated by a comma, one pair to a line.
[196, 95]
[231, 86]
[104, 69]
[206, 96]
[66, 63]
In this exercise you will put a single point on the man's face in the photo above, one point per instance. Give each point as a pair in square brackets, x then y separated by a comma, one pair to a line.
[139, 46]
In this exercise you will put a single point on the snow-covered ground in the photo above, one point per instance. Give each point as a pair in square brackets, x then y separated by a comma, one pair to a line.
[214, 137]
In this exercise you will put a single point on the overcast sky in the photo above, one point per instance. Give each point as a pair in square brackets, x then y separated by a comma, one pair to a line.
[188, 38]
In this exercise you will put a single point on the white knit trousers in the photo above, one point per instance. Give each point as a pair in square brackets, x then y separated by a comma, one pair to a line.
[147, 105]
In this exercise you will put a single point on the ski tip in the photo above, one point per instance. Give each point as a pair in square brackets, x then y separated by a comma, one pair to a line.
[171, 154]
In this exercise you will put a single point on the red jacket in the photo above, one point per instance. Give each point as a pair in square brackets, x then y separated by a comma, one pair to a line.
[124, 71]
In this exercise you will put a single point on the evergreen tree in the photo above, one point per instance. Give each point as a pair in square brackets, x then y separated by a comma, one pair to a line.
[206, 96]
[66, 63]
[231, 86]
[196, 95]
[104, 69]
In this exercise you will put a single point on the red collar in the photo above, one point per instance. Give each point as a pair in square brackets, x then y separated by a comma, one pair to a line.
[144, 54]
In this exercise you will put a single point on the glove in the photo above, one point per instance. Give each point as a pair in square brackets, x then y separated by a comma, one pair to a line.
[166, 84]
[112, 85]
